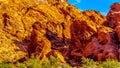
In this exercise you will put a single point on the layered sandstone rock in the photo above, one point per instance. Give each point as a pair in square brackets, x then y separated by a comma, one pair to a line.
[102, 43]
[113, 17]
[113, 21]
[46, 27]
[16, 20]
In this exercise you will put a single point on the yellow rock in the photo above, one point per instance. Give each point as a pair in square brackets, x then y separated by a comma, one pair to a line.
[20, 19]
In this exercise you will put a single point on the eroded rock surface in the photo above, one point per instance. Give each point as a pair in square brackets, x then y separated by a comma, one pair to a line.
[46, 27]
[113, 17]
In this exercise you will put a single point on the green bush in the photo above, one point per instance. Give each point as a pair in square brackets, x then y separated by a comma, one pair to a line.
[21, 65]
[89, 63]
[6, 65]
[109, 63]
[52, 62]
[34, 62]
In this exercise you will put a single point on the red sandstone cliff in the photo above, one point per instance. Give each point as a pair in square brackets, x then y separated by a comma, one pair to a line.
[57, 28]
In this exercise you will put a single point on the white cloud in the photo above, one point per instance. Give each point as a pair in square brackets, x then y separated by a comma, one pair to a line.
[81, 9]
[77, 2]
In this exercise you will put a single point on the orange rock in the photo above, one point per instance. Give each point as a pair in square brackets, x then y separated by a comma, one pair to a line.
[41, 27]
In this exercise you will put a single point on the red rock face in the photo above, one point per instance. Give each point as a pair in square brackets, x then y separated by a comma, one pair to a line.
[108, 42]
[102, 44]
[102, 48]
[80, 34]
[113, 20]
[106, 45]
[45, 27]
[113, 17]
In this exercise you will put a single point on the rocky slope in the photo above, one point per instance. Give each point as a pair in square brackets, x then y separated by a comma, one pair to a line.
[57, 28]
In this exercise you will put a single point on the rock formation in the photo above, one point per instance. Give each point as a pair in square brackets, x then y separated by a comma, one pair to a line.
[113, 17]
[47, 27]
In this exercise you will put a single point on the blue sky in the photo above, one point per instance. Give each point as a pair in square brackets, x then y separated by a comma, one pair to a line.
[102, 6]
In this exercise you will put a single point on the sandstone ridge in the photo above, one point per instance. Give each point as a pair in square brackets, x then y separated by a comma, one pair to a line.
[45, 27]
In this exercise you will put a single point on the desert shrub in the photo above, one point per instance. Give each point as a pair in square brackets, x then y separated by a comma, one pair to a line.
[89, 63]
[6, 65]
[53, 62]
[109, 63]
[21, 65]
[34, 62]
